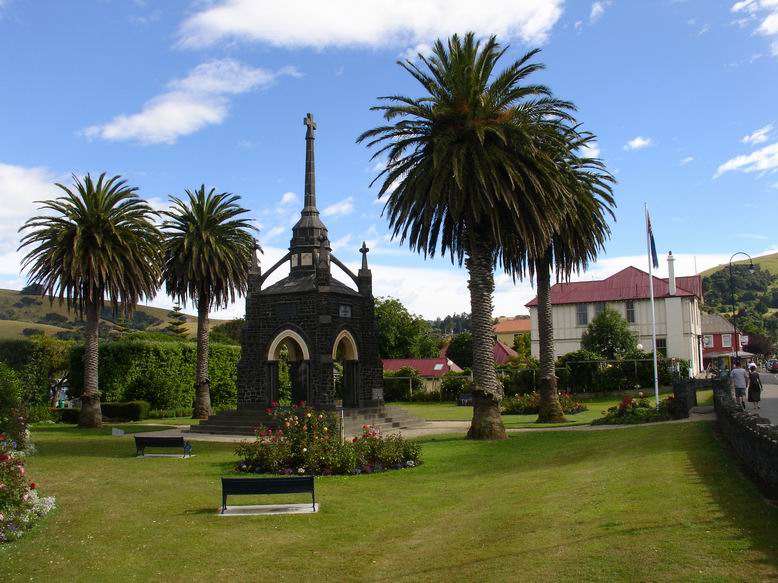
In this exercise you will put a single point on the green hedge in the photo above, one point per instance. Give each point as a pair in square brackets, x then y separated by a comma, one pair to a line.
[131, 411]
[161, 373]
[66, 415]
[37, 362]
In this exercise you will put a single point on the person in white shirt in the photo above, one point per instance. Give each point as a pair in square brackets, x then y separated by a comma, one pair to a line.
[739, 381]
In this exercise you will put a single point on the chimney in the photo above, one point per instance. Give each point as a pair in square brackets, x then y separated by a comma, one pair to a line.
[671, 274]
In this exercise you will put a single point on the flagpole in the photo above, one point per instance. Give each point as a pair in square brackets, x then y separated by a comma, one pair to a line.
[653, 312]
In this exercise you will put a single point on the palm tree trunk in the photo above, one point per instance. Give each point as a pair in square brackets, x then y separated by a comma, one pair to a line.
[550, 409]
[202, 407]
[91, 415]
[487, 392]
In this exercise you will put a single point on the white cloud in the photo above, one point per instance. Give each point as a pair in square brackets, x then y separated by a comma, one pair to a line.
[342, 243]
[766, 13]
[637, 143]
[412, 53]
[774, 186]
[598, 8]
[288, 198]
[753, 236]
[687, 160]
[761, 160]
[340, 208]
[758, 136]
[356, 23]
[591, 150]
[274, 232]
[198, 100]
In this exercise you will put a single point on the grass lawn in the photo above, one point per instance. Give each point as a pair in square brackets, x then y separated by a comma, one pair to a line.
[660, 503]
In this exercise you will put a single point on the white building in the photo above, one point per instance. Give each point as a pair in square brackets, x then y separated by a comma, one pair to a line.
[677, 303]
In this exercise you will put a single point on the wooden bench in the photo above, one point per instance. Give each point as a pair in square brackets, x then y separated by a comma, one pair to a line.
[285, 485]
[144, 441]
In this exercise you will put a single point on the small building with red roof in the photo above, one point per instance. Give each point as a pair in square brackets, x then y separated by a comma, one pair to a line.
[677, 301]
[430, 369]
[507, 330]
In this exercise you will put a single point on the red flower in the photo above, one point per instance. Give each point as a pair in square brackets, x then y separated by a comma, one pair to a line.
[269, 411]
[355, 440]
[4, 457]
[32, 485]
[301, 404]
[2, 436]
[274, 404]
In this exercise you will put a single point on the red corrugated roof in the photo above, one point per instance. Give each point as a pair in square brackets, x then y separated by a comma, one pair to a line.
[630, 283]
[513, 326]
[427, 367]
[503, 353]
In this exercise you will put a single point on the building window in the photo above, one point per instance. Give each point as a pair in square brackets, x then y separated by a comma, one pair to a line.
[726, 340]
[582, 314]
[630, 311]
[661, 346]
[599, 308]
[707, 341]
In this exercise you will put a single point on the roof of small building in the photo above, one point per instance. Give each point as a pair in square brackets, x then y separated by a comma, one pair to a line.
[514, 326]
[630, 283]
[716, 324]
[427, 367]
[503, 353]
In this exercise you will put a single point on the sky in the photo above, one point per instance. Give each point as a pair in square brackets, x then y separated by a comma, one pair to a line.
[681, 94]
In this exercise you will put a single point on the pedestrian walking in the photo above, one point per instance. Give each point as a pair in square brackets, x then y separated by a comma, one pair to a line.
[740, 383]
[754, 386]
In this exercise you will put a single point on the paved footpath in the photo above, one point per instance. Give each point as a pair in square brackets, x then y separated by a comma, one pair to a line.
[442, 427]
[769, 404]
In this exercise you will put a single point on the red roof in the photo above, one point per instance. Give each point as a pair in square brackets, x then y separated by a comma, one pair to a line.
[630, 283]
[427, 367]
[513, 326]
[503, 353]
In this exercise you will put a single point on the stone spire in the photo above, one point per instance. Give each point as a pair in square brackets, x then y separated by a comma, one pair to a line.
[309, 235]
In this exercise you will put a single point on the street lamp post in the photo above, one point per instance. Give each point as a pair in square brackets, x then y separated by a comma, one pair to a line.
[732, 292]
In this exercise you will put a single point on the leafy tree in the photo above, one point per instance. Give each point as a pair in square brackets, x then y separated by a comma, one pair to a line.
[522, 343]
[229, 332]
[207, 253]
[453, 324]
[759, 344]
[460, 349]
[459, 161]
[609, 335]
[400, 333]
[177, 323]
[96, 241]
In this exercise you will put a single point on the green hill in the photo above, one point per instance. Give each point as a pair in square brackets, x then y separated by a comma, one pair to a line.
[21, 311]
[766, 262]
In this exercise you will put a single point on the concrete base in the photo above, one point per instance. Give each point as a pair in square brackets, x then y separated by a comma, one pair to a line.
[269, 509]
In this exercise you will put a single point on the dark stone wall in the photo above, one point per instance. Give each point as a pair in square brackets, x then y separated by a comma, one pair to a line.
[753, 439]
[314, 315]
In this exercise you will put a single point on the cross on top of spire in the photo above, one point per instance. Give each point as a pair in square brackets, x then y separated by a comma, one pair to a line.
[308, 121]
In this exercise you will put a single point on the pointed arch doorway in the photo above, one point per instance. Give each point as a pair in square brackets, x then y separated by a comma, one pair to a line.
[299, 360]
[344, 351]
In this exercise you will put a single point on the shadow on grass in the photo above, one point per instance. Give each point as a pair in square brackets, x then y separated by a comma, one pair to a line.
[736, 498]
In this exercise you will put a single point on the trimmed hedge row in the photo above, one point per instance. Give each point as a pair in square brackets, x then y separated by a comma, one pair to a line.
[131, 411]
[161, 373]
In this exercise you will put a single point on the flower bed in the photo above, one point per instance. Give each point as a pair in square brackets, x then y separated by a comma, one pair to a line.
[529, 404]
[639, 410]
[20, 505]
[307, 441]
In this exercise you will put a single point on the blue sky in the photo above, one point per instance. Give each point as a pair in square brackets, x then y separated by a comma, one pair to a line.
[683, 96]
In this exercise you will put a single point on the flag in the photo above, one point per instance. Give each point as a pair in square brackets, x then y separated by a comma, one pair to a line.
[652, 244]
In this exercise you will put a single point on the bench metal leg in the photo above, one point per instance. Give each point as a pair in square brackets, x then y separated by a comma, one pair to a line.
[224, 503]
[313, 500]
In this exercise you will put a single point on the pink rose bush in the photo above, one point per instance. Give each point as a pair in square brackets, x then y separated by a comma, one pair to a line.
[20, 504]
[306, 441]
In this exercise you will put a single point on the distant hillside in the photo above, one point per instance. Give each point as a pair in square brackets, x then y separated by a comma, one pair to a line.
[21, 311]
[766, 262]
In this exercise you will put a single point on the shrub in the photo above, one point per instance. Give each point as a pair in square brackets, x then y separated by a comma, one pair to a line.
[308, 442]
[20, 505]
[454, 384]
[38, 413]
[529, 404]
[422, 396]
[640, 410]
[130, 411]
[161, 373]
[167, 413]
[66, 415]
[401, 384]
[40, 362]
[12, 417]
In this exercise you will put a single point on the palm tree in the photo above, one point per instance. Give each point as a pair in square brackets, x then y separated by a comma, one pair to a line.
[575, 242]
[207, 253]
[466, 171]
[98, 241]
